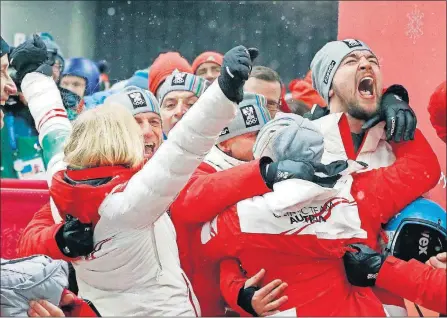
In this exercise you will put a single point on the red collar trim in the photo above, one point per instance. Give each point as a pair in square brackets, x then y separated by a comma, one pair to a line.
[96, 173]
[346, 138]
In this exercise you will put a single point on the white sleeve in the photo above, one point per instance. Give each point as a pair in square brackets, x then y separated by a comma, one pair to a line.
[149, 193]
[46, 107]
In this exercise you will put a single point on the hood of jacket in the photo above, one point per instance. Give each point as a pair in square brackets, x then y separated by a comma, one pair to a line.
[79, 193]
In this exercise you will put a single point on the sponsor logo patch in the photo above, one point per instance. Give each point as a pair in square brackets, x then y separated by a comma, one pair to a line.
[423, 243]
[179, 79]
[137, 99]
[250, 116]
[328, 72]
[352, 43]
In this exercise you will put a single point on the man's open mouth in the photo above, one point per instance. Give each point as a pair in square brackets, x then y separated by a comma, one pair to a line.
[149, 148]
[366, 87]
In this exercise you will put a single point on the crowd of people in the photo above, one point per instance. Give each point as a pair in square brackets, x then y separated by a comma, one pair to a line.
[206, 189]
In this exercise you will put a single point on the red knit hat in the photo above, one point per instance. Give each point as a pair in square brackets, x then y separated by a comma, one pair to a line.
[302, 90]
[284, 106]
[211, 57]
[163, 66]
[437, 109]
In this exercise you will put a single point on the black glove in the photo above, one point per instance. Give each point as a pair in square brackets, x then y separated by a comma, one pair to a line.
[74, 238]
[304, 170]
[362, 266]
[236, 68]
[396, 112]
[317, 112]
[30, 56]
[244, 299]
[331, 171]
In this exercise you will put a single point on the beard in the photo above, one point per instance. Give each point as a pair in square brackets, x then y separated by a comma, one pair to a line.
[355, 110]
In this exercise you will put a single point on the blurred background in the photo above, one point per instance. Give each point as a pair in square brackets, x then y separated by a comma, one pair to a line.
[409, 38]
[131, 34]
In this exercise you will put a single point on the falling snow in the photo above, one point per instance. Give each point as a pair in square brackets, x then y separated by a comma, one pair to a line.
[414, 26]
[111, 11]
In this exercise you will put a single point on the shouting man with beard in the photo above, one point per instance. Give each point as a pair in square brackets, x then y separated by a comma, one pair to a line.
[361, 119]
[347, 75]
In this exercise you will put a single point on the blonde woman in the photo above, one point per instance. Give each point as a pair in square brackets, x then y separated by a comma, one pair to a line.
[134, 268]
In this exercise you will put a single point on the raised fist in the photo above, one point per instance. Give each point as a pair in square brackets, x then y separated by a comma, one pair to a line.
[236, 67]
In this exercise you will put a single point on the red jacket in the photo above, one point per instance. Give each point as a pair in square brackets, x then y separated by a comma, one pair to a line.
[39, 236]
[208, 193]
[417, 282]
[310, 263]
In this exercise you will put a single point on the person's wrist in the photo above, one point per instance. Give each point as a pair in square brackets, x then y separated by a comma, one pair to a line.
[263, 165]
[398, 90]
[61, 243]
[244, 299]
[45, 69]
[269, 174]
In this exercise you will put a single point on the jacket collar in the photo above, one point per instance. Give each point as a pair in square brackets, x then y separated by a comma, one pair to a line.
[338, 139]
[220, 160]
[82, 199]
[95, 173]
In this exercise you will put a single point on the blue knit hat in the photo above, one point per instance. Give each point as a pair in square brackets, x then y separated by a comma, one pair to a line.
[140, 79]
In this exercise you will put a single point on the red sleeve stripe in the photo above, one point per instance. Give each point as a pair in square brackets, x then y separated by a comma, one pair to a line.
[57, 112]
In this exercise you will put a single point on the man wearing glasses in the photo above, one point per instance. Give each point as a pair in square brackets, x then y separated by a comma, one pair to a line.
[265, 81]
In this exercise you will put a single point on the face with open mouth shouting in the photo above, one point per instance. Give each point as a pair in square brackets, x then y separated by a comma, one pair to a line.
[357, 85]
[150, 124]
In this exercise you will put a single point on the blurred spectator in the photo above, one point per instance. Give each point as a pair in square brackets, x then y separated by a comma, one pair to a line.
[119, 85]
[176, 96]
[81, 76]
[163, 66]
[207, 65]
[302, 90]
[104, 69]
[437, 110]
[296, 106]
[139, 79]
[56, 58]
[7, 85]
[265, 81]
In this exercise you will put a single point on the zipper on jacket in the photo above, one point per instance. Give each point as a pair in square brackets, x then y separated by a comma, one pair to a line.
[157, 256]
